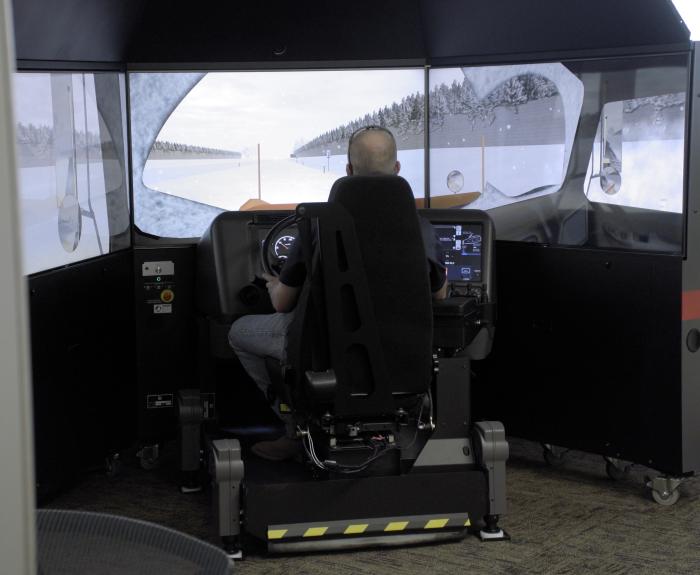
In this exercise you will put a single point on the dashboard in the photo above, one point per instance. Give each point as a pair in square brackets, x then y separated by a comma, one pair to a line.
[460, 247]
[230, 270]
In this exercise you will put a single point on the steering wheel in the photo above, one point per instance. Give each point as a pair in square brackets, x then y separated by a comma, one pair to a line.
[275, 241]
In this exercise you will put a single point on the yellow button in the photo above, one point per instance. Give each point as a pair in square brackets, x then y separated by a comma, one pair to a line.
[167, 295]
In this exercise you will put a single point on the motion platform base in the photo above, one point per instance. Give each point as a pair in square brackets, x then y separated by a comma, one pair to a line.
[298, 514]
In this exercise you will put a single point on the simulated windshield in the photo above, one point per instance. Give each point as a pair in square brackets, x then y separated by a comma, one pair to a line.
[204, 143]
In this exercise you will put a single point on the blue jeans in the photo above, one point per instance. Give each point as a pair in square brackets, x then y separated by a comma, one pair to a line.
[255, 337]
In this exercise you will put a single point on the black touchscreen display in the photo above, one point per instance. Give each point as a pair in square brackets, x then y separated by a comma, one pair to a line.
[461, 245]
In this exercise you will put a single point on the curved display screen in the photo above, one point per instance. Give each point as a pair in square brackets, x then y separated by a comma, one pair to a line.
[229, 141]
[73, 182]
[585, 153]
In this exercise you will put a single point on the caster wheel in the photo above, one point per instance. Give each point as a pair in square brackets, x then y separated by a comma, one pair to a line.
[149, 457]
[149, 463]
[666, 498]
[113, 466]
[616, 472]
[554, 458]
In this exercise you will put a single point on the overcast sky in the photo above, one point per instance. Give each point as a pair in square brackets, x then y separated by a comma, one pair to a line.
[33, 103]
[690, 12]
[238, 110]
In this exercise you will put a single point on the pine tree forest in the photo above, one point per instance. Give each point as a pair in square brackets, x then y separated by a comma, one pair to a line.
[407, 116]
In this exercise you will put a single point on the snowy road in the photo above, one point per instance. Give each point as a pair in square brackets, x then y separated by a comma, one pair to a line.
[228, 184]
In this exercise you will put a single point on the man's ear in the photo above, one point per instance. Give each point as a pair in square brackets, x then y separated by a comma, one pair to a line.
[397, 167]
[348, 169]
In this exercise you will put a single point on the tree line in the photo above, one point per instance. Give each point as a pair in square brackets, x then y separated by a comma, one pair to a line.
[659, 102]
[167, 147]
[40, 139]
[459, 98]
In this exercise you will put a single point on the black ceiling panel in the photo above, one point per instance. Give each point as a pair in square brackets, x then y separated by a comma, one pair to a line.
[282, 31]
[278, 31]
[477, 29]
[74, 30]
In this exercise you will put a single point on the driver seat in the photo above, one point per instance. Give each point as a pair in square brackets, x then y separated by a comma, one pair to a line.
[360, 347]
[373, 273]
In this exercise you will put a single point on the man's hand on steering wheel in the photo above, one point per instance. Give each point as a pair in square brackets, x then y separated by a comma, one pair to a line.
[283, 297]
[271, 282]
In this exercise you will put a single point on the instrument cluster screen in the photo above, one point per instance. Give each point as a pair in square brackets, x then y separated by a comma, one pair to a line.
[283, 246]
[461, 245]
[280, 244]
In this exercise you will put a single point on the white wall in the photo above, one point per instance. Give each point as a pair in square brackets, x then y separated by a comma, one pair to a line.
[16, 443]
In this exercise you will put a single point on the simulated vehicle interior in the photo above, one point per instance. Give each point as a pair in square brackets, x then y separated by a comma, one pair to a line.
[169, 157]
[365, 415]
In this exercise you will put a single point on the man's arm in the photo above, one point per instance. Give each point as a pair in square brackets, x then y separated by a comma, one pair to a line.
[442, 292]
[436, 263]
[283, 297]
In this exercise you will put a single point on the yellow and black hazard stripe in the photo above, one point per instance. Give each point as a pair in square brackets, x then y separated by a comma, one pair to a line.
[363, 527]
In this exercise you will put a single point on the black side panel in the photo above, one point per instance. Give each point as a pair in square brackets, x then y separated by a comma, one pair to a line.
[82, 336]
[166, 335]
[74, 30]
[278, 31]
[482, 30]
[587, 352]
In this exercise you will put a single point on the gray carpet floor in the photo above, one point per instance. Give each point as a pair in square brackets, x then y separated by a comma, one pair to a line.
[569, 519]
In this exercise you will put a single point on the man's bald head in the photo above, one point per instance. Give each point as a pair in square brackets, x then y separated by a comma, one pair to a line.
[372, 152]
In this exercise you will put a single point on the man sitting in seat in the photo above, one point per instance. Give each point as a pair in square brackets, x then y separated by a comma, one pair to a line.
[371, 152]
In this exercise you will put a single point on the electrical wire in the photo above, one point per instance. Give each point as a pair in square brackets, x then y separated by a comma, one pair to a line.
[418, 420]
[309, 448]
[308, 443]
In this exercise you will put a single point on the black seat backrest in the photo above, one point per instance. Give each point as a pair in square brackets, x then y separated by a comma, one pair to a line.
[376, 292]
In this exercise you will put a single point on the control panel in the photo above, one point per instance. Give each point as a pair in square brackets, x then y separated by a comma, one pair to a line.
[463, 323]
[158, 286]
[166, 334]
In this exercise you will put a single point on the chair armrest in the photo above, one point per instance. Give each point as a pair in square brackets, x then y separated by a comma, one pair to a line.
[455, 322]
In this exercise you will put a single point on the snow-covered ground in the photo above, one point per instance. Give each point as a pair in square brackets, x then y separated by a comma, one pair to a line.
[42, 248]
[228, 184]
[514, 170]
[652, 176]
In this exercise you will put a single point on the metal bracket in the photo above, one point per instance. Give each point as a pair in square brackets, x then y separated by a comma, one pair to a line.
[226, 469]
[492, 453]
[190, 416]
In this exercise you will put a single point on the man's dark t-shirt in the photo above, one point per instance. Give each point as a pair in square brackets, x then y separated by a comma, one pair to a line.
[293, 273]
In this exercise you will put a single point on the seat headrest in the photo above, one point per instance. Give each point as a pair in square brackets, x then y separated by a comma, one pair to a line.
[376, 191]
